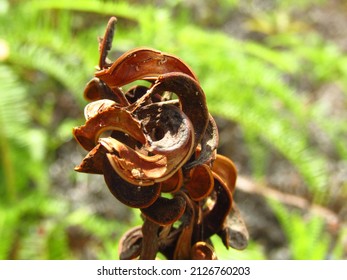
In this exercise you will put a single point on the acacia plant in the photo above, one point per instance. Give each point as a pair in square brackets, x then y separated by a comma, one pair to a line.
[149, 132]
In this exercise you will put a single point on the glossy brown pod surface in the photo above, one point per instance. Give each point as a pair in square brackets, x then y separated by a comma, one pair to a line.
[156, 146]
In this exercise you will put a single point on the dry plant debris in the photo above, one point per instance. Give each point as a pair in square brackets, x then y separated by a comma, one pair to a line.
[156, 146]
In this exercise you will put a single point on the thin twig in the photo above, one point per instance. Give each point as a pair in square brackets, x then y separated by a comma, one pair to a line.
[249, 186]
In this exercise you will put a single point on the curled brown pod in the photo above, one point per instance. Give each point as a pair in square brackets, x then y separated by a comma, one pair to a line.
[155, 143]
[142, 64]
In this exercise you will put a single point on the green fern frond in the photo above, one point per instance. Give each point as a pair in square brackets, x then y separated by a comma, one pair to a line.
[321, 62]
[13, 122]
[13, 105]
[307, 240]
[41, 59]
[120, 8]
[8, 230]
[55, 50]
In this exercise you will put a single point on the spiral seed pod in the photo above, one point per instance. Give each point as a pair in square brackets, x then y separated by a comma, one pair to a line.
[160, 155]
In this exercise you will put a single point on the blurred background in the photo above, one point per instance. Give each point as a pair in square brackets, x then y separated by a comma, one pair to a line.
[275, 76]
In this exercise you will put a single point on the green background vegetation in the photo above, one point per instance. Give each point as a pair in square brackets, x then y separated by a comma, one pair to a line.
[272, 70]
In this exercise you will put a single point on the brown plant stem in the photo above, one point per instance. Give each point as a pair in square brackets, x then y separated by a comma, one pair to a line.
[150, 241]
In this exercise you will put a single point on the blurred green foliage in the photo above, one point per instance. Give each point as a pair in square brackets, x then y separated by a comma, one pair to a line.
[48, 50]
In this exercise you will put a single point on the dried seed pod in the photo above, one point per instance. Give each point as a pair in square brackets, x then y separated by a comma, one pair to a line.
[184, 241]
[201, 182]
[191, 96]
[130, 195]
[165, 211]
[108, 118]
[172, 184]
[105, 44]
[93, 161]
[234, 232]
[158, 144]
[130, 244]
[209, 144]
[225, 170]
[213, 219]
[96, 90]
[203, 251]
[142, 64]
